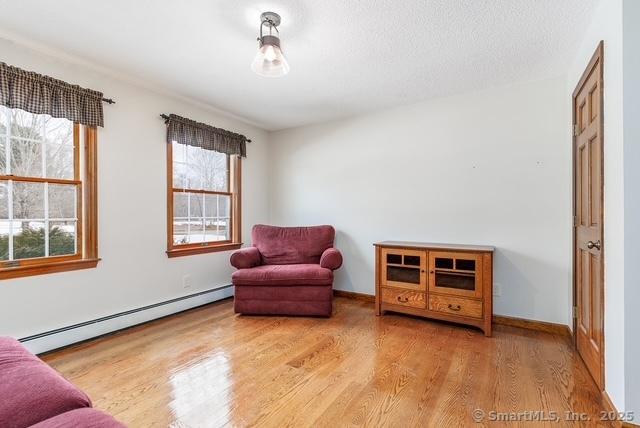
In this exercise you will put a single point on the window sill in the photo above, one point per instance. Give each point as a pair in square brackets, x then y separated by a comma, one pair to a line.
[189, 251]
[46, 268]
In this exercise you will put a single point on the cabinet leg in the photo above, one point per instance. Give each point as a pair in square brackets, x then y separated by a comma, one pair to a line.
[487, 331]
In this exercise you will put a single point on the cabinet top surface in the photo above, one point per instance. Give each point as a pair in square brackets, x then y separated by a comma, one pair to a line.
[434, 245]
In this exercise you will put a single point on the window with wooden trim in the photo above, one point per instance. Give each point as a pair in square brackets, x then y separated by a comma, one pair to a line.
[47, 194]
[203, 200]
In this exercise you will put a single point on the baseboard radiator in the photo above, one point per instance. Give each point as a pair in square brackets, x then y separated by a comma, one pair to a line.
[64, 336]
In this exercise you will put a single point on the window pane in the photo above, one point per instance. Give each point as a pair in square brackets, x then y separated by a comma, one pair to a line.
[180, 231]
[178, 152]
[4, 240]
[28, 200]
[196, 233]
[3, 155]
[210, 231]
[28, 239]
[58, 131]
[216, 230]
[187, 231]
[180, 205]
[196, 201]
[4, 112]
[217, 206]
[27, 125]
[26, 158]
[193, 178]
[224, 206]
[206, 169]
[4, 200]
[180, 175]
[62, 238]
[211, 206]
[60, 161]
[62, 201]
[224, 228]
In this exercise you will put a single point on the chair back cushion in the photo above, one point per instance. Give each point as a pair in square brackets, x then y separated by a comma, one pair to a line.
[292, 245]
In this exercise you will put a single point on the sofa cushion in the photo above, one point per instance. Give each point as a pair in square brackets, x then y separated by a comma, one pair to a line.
[32, 391]
[300, 274]
[291, 245]
[80, 418]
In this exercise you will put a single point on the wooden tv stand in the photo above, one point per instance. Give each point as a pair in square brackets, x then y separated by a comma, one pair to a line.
[443, 281]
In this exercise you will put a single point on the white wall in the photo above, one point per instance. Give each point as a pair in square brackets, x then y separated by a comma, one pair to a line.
[134, 270]
[631, 103]
[607, 26]
[491, 167]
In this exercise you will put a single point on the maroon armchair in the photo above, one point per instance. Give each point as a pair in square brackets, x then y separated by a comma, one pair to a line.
[288, 271]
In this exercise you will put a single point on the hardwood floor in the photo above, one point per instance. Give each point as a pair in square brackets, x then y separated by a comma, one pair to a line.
[209, 367]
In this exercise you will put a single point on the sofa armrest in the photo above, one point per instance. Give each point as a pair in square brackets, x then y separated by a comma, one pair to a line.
[246, 258]
[331, 259]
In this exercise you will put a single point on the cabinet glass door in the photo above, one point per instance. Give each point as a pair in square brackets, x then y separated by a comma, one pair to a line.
[455, 273]
[404, 269]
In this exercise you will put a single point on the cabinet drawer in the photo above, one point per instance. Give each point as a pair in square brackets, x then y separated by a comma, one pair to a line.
[400, 297]
[455, 306]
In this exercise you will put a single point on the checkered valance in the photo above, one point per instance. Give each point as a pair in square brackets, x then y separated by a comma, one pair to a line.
[192, 133]
[40, 94]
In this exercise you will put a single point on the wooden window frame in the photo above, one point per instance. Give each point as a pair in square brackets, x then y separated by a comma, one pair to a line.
[86, 256]
[234, 173]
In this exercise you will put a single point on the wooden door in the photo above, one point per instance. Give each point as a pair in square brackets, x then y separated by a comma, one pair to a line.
[588, 216]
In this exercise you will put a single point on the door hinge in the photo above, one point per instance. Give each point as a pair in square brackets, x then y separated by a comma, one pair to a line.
[575, 312]
[576, 130]
[575, 221]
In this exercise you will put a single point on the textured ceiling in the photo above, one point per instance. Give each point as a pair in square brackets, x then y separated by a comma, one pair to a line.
[346, 56]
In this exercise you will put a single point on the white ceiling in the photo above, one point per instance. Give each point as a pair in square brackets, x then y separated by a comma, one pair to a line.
[346, 56]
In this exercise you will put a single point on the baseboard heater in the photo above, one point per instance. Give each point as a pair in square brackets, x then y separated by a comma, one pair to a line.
[64, 336]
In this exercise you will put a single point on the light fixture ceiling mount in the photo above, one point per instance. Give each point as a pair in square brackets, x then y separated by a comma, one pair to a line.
[270, 61]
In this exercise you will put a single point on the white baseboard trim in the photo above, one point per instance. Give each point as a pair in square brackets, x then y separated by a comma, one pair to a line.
[60, 337]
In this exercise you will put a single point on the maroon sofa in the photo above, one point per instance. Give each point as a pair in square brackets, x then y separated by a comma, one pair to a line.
[288, 271]
[32, 394]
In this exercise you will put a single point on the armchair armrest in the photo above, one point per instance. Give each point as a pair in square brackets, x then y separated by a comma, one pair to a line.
[246, 258]
[331, 259]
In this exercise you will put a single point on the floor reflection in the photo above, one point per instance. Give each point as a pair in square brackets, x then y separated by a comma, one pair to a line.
[202, 384]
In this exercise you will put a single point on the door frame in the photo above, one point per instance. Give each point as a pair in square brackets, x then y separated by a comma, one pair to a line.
[598, 56]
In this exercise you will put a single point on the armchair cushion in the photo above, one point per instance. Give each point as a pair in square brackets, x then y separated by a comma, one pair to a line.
[331, 259]
[292, 245]
[293, 275]
[246, 258]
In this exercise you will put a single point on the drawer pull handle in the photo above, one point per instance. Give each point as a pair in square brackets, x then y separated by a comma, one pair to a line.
[403, 299]
[454, 307]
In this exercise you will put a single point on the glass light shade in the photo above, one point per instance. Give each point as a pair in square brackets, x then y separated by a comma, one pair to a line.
[270, 61]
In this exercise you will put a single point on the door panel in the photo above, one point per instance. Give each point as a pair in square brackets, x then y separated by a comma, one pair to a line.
[455, 273]
[588, 235]
[404, 269]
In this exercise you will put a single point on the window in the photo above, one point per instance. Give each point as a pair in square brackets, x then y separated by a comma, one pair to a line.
[46, 225]
[204, 200]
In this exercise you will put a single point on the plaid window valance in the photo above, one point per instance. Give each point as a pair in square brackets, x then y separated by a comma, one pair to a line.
[40, 94]
[192, 133]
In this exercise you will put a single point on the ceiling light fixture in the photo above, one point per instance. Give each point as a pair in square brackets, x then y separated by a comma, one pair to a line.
[270, 61]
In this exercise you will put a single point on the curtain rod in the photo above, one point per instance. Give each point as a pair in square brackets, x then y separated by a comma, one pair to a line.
[166, 117]
[108, 101]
